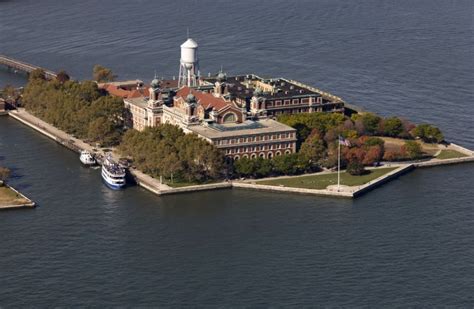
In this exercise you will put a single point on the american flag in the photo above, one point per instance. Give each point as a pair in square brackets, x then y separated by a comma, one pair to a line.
[343, 141]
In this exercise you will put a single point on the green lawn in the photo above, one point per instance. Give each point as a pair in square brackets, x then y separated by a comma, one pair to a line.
[450, 154]
[10, 197]
[324, 180]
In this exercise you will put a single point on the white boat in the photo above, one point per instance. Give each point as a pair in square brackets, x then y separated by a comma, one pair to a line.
[87, 158]
[112, 173]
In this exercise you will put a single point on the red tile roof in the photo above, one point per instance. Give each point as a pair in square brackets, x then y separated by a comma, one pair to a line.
[204, 99]
[123, 93]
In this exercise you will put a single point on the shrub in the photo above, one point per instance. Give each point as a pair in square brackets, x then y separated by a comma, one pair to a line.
[412, 149]
[428, 133]
[356, 168]
[392, 127]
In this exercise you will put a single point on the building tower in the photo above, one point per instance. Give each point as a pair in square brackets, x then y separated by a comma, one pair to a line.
[189, 64]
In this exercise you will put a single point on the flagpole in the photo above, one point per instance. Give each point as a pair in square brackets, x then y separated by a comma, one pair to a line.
[338, 163]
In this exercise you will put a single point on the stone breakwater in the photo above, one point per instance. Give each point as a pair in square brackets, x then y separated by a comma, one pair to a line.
[158, 188]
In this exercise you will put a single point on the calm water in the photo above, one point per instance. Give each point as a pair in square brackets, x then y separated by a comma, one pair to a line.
[410, 242]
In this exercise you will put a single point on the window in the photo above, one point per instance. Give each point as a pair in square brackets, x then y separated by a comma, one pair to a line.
[229, 117]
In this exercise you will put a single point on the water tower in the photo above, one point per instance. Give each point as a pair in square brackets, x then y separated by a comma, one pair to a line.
[189, 64]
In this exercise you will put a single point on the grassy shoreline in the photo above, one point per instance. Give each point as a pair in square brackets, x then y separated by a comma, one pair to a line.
[322, 181]
[8, 197]
[450, 154]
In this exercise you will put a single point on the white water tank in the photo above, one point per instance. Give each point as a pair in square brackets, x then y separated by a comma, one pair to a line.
[189, 55]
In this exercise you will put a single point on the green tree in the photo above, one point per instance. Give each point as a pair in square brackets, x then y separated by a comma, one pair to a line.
[102, 74]
[286, 164]
[78, 108]
[246, 167]
[355, 168]
[412, 149]
[371, 123]
[392, 126]
[428, 133]
[264, 167]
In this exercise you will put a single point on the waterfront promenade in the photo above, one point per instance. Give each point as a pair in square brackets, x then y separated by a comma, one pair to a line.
[158, 188]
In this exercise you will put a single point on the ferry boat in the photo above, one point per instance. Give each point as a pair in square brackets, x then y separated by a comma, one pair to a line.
[87, 158]
[112, 173]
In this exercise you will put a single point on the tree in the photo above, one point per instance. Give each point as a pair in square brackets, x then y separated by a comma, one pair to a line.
[392, 155]
[102, 74]
[392, 126]
[372, 155]
[78, 108]
[246, 167]
[37, 74]
[304, 123]
[4, 173]
[412, 149]
[286, 164]
[371, 123]
[167, 151]
[264, 167]
[356, 168]
[313, 149]
[428, 133]
[62, 77]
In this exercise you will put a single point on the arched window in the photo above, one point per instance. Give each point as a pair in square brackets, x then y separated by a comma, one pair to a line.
[270, 155]
[253, 156]
[229, 117]
[236, 158]
[278, 153]
[287, 151]
[262, 155]
[246, 156]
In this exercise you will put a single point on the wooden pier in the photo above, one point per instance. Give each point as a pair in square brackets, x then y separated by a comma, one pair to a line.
[24, 67]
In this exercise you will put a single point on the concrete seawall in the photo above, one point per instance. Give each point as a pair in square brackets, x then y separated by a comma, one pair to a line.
[250, 186]
[383, 179]
[207, 187]
[31, 125]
